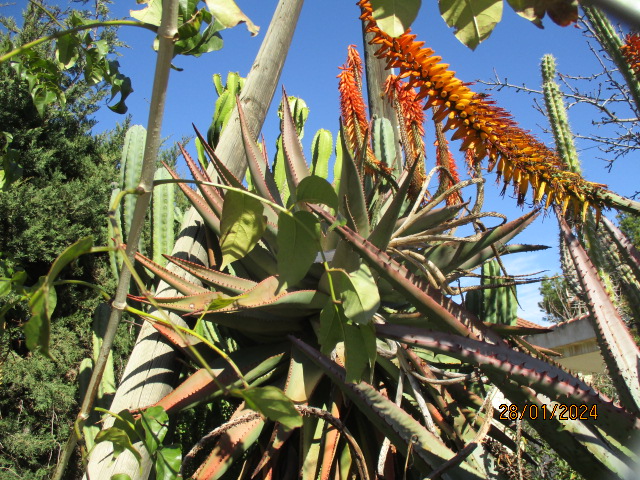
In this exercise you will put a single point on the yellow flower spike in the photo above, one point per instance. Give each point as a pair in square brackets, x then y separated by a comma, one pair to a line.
[550, 195]
[540, 191]
[523, 186]
[565, 203]
[469, 142]
[441, 114]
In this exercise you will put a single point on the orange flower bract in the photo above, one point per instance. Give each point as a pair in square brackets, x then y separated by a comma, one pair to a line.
[484, 128]
[631, 51]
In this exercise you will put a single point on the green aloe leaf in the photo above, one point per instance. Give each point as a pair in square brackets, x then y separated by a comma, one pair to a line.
[314, 189]
[241, 226]
[473, 20]
[359, 350]
[273, 404]
[332, 322]
[394, 17]
[298, 242]
[392, 421]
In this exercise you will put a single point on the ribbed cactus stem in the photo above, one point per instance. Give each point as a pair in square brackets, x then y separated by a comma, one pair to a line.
[557, 114]
[611, 42]
[162, 215]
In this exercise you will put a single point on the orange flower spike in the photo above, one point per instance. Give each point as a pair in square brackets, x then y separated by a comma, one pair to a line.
[485, 128]
[352, 107]
[631, 51]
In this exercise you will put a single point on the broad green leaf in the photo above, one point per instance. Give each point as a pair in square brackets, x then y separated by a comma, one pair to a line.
[314, 189]
[473, 20]
[151, 14]
[273, 404]
[229, 15]
[360, 295]
[67, 50]
[5, 286]
[528, 9]
[120, 476]
[120, 441]
[37, 330]
[298, 243]
[168, 462]
[332, 321]
[155, 422]
[241, 226]
[43, 299]
[359, 350]
[394, 17]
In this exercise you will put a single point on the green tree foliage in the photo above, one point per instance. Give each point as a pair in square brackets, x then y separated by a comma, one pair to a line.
[61, 196]
[630, 225]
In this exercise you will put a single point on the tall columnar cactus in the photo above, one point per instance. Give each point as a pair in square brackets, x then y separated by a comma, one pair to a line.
[224, 104]
[605, 255]
[612, 43]
[558, 115]
[495, 302]
[163, 210]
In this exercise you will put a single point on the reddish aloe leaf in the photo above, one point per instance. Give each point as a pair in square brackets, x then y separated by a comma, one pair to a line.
[230, 283]
[188, 303]
[427, 300]
[270, 295]
[224, 173]
[297, 167]
[503, 363]
[270, 456]
[231, 444]
[580, 447]
[209, 192]
[620, 351]
[180, 284]
[330, 445]
[205, 211]
[391, 420]
[260, 173]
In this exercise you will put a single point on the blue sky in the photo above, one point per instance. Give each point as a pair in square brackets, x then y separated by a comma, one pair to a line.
[319, 46]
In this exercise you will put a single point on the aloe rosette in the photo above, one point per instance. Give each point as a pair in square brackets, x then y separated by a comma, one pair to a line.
[349, 314]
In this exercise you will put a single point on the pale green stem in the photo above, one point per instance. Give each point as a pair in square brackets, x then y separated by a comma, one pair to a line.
[167, 35]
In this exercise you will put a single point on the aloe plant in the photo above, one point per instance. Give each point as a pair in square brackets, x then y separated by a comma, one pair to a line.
[281, 284]
[340, 297]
